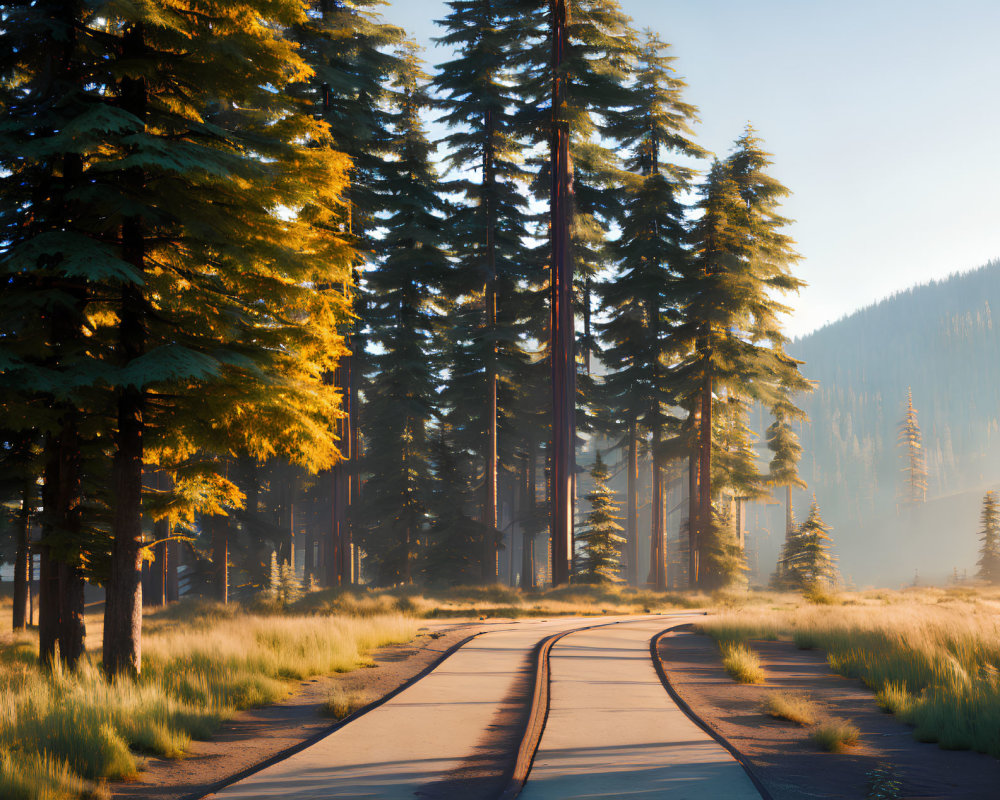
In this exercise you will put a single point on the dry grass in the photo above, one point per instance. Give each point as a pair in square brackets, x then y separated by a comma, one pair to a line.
[931, 655]
[792, 706]
[835, 736]
[61, 733]
[341, 703]
[742, 663]
[502, 601]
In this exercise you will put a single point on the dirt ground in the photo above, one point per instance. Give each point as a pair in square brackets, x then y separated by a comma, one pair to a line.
[787, 762]
[259, 736]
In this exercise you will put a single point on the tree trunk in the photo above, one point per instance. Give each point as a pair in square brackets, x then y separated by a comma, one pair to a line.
[658, 568]
[72, 630]
[220, 557]
[561, 313]
[693, 503]
[531, 511]
[22, 559]
[789, 513]
[158, 569]
[705, 470]
[491, 565]
[48, 588]
[123, 608]
[48, 606]
[339, 552]
[632, 512]
[173, 571]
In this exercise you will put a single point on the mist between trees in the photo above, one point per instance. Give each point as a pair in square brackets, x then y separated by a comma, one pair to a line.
[254, 316]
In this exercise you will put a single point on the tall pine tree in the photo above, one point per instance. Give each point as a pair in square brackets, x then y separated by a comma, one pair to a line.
[404, 318]
[643, 295]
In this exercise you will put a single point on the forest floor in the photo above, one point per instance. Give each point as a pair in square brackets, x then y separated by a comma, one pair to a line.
[785, 757]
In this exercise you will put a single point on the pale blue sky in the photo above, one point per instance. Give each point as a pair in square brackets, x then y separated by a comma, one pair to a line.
[883, 116]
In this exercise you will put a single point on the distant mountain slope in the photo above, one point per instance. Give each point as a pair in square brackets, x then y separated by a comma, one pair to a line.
[941, 339]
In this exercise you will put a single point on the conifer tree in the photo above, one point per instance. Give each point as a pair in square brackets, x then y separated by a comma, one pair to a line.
[403, 316]
[197, 291]
[453, 555]
[989, 535]
[722, 557]
[598, 556]
[731, 321]
[915, 467]
[353, 54]
[644, 292]
[573, 70]
[476, 90]
[806, 560]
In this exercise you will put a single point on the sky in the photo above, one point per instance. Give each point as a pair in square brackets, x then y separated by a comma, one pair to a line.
[883, 118]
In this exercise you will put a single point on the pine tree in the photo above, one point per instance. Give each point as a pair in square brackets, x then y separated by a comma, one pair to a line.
[989, 535]
[911, 443]
[806, 560]
[453, 555]
[201, 307]
[488, 231]
[732, 319]
[598, 556]
[723, 557]
[643, 294]
[563, 100]
[404, 318]
[353, 54]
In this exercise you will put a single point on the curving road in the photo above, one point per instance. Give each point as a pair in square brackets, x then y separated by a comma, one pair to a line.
[611, 730]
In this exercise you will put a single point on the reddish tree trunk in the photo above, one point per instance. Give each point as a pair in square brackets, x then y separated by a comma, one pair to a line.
[693, 520]
[632, 512]
[705, 470]
[562, 323]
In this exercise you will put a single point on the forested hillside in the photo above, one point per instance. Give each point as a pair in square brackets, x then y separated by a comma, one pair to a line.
[939, 340]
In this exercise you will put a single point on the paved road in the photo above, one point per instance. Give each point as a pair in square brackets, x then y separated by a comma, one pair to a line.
[612, 730]
[433, 740]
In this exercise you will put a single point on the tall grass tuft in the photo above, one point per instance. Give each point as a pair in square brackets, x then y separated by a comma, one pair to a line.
[742, 663]
[792, 706]
[835, 736]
